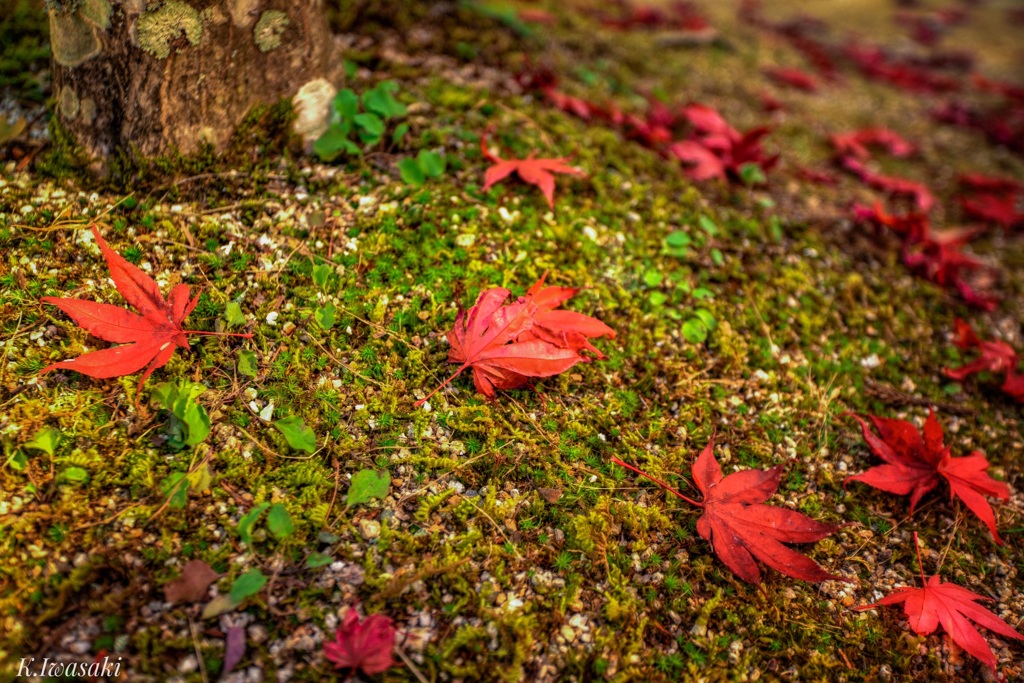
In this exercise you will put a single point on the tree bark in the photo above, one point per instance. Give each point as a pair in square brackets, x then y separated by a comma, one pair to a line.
[167, 76]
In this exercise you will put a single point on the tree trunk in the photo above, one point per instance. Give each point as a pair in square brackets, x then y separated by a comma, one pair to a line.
[163, 76]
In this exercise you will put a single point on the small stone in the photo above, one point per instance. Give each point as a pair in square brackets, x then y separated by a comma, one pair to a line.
[188, 665]
[79, 647]
[568, 633]
[369, 528]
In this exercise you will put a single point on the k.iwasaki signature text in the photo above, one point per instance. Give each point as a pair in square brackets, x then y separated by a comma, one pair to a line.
[51, 669]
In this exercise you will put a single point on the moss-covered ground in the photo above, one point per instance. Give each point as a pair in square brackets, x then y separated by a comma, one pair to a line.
[509, 547]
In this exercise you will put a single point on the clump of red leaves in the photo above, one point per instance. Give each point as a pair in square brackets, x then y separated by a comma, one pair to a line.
[679, 15]
[955, 607]
[742, 528]
[995, 357]
[717, 150]
[695, 134]
[915, 463]
[362, 645]
[993, 200]
[853, 151]
[509, 345]
[937, 256]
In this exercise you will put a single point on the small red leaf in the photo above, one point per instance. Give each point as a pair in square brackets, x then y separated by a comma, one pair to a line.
[365, 644]
[952, 606]
[915, 465]
[537, 172]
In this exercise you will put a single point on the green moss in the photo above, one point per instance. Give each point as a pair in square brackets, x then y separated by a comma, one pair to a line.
[157, 28]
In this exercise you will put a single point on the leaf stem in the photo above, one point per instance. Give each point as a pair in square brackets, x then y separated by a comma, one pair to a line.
[659, 482]
[247, 335]
[920, 565]
[443, 384]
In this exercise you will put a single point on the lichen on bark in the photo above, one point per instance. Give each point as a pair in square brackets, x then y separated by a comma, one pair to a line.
[268, 30]
[156, 29]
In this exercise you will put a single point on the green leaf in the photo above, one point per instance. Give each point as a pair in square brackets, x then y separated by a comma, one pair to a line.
[350, 68]
[325, 317]
[703, 293]
[708, 225]
[706, 317]
[678, 239]
[751, 174]
[346, 104]
[45, 440]
[653, 278]
[431, 163]
[716, 256]
[248, 521]
[164, 394]
[297, 434]
[233, 314]
[74, 474]
[197, 420]
[246, 585]
[399, 133]
[694, 331]
[279, 522]
[247, 364]
[17, 460]
[411, 172]
[333, 143]
[657, 298]
[318, 560]
[322, 275]
[380, 101]
[174, 488]
[370, 127]
[368, 484]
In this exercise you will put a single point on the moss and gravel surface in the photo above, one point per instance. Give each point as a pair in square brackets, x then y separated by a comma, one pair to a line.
[508, 547]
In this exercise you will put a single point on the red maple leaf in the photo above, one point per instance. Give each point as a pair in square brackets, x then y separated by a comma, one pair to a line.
[538, 172]
[717, 150]
[952, 606]
[1000, 209]
[915, 465]
[566, 329]
[148, 338]
[742, 529]
[1014, 385]
[364, 645]
[919, 192]
[487, 338]
[794, 78]
[856, 143]
[996, 356]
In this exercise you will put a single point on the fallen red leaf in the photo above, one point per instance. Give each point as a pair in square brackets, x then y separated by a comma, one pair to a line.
[915, 465]
[996, 356]
[507, 346]
[954, 607]
[717, 150]
[566, 329]
[364, 645]
[742, 529]
[149, 338]
[794, 78]
[919, 192]
[935, 255]
[856, 143]
[538, 172]
[995, 200]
